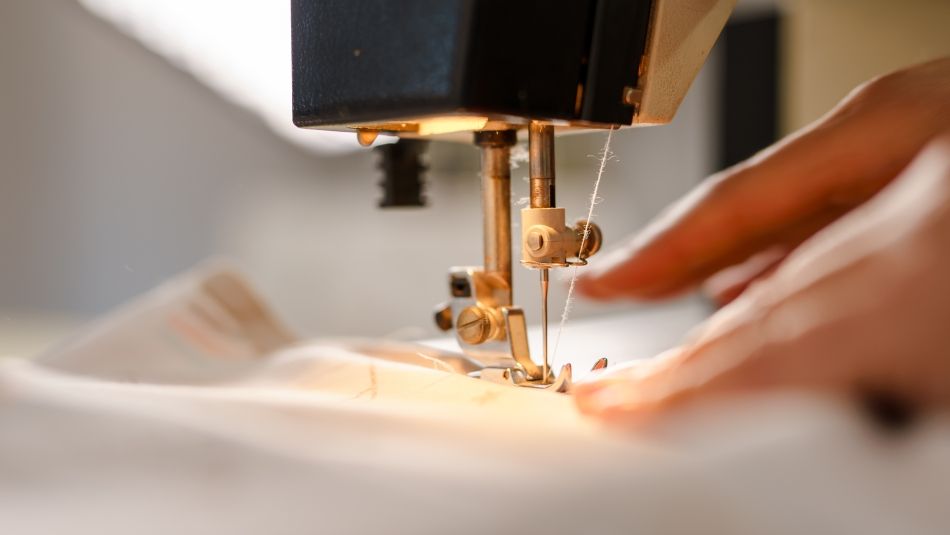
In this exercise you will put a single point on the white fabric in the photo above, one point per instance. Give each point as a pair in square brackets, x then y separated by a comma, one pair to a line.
[320, 438]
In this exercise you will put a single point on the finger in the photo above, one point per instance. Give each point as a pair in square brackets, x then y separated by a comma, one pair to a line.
[831, 167]
[786, 239]
[628, 385]
[728, 284]
[724, 366]
[732, 216]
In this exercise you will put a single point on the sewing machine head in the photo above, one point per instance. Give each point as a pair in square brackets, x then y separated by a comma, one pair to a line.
[500, 69]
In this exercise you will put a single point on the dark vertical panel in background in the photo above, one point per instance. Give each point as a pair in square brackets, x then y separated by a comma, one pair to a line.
[749, 87]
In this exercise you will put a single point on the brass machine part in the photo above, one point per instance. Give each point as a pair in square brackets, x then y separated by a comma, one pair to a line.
[488, 327]
[546, 241]
[541, 164]
[479, 324]
[496, 206]
[542, 196]
[480, 296]
[484, 321]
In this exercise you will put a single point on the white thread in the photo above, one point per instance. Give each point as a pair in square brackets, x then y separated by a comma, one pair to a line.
[436, 363]
[594, 199]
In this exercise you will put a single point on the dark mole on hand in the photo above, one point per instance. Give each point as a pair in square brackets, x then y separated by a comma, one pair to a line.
[892, 413]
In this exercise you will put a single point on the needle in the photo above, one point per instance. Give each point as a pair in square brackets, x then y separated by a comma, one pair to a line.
[544, 324]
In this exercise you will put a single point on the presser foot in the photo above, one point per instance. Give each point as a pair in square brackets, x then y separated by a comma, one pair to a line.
[516, 376]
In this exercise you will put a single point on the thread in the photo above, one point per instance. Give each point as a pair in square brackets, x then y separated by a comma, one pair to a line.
[605, 155]
[436, 363]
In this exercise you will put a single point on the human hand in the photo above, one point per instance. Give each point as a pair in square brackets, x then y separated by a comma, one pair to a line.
[862, 306]
[741, 222]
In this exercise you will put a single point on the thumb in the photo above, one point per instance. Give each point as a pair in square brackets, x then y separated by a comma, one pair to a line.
[732, 353]
[672, 378]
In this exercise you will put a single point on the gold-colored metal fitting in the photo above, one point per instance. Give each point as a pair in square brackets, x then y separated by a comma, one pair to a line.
[561, 383]
[476, 325]
[592, 242]
[587, 246]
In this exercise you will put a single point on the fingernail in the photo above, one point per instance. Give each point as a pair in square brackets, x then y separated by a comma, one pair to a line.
[631, 387]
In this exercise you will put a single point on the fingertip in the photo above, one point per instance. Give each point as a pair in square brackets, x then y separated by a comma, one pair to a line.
[584, 399]
[617, 400]
[627, 274]
[611, 286]
[585, 390]
[604, 391]
[610, 274]
[594, 399]
[629, 390]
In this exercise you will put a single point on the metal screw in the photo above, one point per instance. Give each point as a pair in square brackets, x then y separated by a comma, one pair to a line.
[473, 325]
[534, 240]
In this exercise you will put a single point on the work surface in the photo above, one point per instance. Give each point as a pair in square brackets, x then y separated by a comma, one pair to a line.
[190, 412]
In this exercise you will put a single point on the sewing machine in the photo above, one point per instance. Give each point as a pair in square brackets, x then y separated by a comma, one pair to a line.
[493, 71]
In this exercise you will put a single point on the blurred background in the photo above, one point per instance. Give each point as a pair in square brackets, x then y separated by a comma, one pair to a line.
[142, 137]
